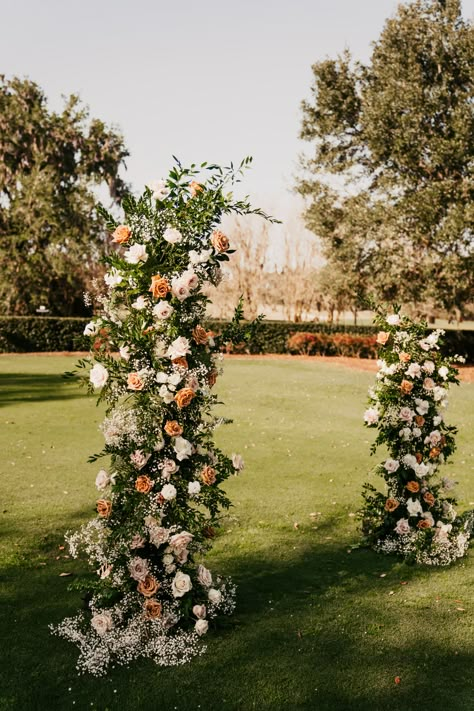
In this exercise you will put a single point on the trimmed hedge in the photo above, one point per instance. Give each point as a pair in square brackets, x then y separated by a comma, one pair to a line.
[30, 334]
[34, 334]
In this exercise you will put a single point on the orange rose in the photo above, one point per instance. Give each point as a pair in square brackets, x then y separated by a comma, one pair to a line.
[423, 523]
[143, 484]
[413, 486]
[391, 505]
[434, 452]
[173, 428]
[212, 378]
[219, 241]
[104, 508]
[404, 357]
[184, 396]
[382, 337]
[152, 609]
[181, 361]
[195, 188]
[406, 387]
[208, 475]
[159, 286]
[121, 234]
[150, 329]
[149, 586]
[134, 382]
[418, 457]
[420, 420]
[200, 335]
[429, 498]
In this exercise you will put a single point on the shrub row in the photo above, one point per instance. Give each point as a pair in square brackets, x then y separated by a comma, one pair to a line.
[29, 334]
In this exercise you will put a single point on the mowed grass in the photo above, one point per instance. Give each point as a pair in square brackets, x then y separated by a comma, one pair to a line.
[319, 625]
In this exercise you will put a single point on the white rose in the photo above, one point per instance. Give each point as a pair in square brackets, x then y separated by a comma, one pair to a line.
[172, 235]
[405, 433]
[181, 540]
[214, 596]
[163, 310]
[102, 622]
[204, 576]
[168, 492]
[124, 352]
[409, 460]
[437, 420]
[425, 345]
[181, 584]
[194, 487]
[168, 559]
[200, 257]
[98, 375]
[201, 627]
[371, 416]
[113, 278]
[166, 395]
[443, 371]
[92, 328]
[428, 367]
[138, 568]
[179, 289]
[406, 414]
[442, 532]
[422, 470]
[190, 278]
[414, 507]
[402, 526]
[136, 253]
[140, 303]
[238, 462]
[175, 379]
[413, 370]
[159, 189]
[416, 432]
[199, 611]
[169, 467]
[439, 393]
[391, 465]
[393, 319]
[102, 480]
[422, 406]
[183, 448]
[179, 347]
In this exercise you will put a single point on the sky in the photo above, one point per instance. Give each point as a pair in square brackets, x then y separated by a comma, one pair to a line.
[212, 80]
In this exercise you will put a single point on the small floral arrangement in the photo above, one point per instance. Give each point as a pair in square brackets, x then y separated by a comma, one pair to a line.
[416, 517]
[154, 364]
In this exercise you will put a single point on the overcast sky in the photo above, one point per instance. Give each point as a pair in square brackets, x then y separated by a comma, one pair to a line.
[204, 80]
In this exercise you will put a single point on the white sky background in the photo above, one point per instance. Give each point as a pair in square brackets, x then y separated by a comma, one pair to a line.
[205, 79]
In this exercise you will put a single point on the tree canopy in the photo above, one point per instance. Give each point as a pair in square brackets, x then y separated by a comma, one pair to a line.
[51, 237]
[390, 182]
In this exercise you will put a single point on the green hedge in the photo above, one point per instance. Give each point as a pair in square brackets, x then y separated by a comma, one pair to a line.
[33, 334]
[29, 334]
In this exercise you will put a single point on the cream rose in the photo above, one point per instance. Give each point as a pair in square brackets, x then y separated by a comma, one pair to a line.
[172, 235]
[98, 375]
[204, 576]
[181, 584]
[201, 627]
[102, 622]
[214, 596]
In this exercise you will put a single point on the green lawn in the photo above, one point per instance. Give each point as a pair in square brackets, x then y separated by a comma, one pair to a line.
[318, 626]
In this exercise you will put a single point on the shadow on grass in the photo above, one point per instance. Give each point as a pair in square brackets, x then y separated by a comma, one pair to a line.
[18, 387]
[313, 631]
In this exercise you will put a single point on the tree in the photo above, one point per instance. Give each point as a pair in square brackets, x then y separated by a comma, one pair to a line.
[51, 236]
[391, 175]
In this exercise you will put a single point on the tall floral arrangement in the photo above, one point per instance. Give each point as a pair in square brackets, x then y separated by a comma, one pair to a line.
[416, 517]
[154, 364]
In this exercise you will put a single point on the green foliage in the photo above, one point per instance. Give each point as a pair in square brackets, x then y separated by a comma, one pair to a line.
[399, 134]
[51, 236]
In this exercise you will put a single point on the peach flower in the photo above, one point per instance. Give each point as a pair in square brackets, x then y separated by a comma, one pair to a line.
[406, 387]
[391, 505]
[420, 420]
[159, 286]
[208, 475]
[435, 452]
[184, 397]
[429, 498]
[143, 484]
[181, 361]
[212, 378]
[152, 608]
[418, 457]
[200, 335]
[382, 337]
[219, 241]
[121, 234]
[173, 428]
[104, 508]
[149, 586]
[404, 357]
[195, 188]
[134, 382]
[423, 523]
[413, 486]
